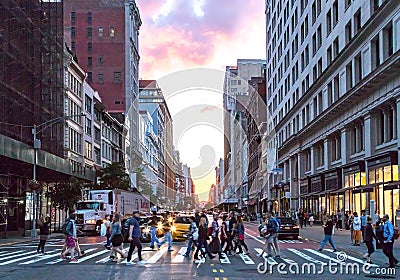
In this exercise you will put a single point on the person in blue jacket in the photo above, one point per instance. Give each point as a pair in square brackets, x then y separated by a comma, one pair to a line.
[387, 246]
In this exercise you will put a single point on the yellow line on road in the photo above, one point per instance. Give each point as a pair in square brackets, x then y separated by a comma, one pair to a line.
[214, 270]
[216, 278]
[221, 270]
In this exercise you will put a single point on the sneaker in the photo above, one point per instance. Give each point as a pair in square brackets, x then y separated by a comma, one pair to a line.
[260, 255]
[319, 250]
[170, 250]
[130, 263]
[141, 263]
[63, 256]
[334, 250]
[73, 260]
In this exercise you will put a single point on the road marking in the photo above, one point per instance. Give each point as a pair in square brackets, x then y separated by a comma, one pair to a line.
[270, 260]
[19, 255]
[60, 259]
[246, 259]
[92, 256]
[352, 258]
[214, 270]
[12, 253]
[179, 258]
[107, 259]
[255, 238]
[134, 257]
[41, 258]
[225, 259]
[304, 256]
[157, 255]
[20, 259]
[221, 271]
[288, 261]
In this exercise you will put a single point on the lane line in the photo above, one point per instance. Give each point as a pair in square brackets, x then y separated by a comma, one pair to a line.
[179, 258]
[304, 256]
[157, 255]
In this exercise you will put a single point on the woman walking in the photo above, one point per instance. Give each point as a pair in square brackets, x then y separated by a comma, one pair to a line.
[239, 230]
[117, 238]
[224, 236]
[369, 236]
[44, 227]
[202, 242]
[357, 229]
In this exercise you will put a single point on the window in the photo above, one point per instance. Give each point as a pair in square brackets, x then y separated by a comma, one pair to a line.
[375, 54]
[88, 104]
[101, 78]
[112, 31]
[328, 23]
[347, 4]
[73, 47]
[88, 150]
[89, 61]
[348, 32]
[89, 32]
[330, 101]
[329, 55]
[335, 47]
[336, 88]
[73, 17]
[100, 31]
[90, 77]
[349, 76]
[88, 126]
[304, 29]
[314, 12]
[89, 17]
[73, 31]
[388, 41]
[89, 47]
[357, 21]
[357, 68]
[101, 60]
[374, 6]
[117, 77]
[320, 67]
[335, 13]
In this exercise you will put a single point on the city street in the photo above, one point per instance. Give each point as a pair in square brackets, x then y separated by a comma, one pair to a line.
[20, 261]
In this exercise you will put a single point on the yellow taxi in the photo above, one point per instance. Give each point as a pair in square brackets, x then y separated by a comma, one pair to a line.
[180, 227]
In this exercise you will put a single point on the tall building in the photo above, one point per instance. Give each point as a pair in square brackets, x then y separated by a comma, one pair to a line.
[104, 37]
[236, 99]
[152, 100]
[333, 90]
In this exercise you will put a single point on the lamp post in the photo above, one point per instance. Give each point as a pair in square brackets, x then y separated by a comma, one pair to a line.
[36, 146]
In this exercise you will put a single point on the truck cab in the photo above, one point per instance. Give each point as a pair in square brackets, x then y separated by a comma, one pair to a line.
[90, 215]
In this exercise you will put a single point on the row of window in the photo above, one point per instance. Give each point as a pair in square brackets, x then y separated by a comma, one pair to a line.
[117, 77]
[74, 84]
[74, 110]
[89, 31]
[100, 61]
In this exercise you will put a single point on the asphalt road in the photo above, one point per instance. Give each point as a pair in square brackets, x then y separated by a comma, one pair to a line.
[299, 259]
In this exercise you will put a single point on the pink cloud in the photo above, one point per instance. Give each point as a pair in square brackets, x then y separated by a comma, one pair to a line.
[180, 38]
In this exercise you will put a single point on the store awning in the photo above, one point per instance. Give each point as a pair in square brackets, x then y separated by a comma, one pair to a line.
[391, 186]
[363, 189]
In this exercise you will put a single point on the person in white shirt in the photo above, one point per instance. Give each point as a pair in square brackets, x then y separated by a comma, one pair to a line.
[356, 229]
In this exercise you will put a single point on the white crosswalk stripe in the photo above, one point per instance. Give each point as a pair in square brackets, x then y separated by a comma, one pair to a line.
[352, 258]
[157, 256]
[246, 259]
[225, 260]
[179, 258]
[92, 256]
[307, 257]
[11, 253]
[270, 260]
[290, 241]
[60, 259]
[18, 255]
[42, 257]
[20, 259]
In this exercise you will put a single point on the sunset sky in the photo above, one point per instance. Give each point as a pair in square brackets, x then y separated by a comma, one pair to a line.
[183, 34]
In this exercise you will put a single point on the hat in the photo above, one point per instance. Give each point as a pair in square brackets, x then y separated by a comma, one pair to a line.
[135, 212]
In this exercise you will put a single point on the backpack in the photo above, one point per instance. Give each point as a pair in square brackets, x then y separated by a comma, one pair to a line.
[396, 233]
[275, 225]
[65, 225]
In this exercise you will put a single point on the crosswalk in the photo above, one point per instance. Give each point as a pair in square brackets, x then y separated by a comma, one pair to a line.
[100, 256]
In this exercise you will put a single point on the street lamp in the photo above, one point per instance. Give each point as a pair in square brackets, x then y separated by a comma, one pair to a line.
[36, 146]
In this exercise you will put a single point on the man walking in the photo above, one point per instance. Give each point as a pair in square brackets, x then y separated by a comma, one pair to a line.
[339, 220]
[134, 235]
[193, 235]
[387, 246]
[328, 229]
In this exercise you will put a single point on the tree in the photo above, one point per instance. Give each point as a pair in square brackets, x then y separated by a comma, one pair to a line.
[66, 195]
[114, 176]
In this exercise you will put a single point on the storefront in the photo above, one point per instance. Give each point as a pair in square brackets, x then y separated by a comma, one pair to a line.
[317, 187]
[354, 187]
[383, 177]
[334, 194]
[305, 189]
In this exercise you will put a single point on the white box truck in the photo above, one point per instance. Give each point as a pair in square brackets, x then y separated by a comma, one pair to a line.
[90, 214]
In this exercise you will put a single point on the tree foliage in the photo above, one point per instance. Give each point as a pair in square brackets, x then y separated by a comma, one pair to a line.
[65, 195]
[114, 177]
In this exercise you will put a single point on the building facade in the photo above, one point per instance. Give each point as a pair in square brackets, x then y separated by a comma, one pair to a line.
[333, 90]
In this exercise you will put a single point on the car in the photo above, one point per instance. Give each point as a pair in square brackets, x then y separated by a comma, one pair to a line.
[145, 229]
[180, 227]
[288, 227]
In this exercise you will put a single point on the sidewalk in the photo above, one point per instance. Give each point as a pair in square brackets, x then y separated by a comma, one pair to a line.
[343, 242]
[16, 237]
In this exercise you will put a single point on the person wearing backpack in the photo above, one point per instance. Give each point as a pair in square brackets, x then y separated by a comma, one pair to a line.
[69, 229]
[269, 233]
[193, 236]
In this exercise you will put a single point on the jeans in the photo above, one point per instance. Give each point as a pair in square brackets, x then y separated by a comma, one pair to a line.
[388, 251]
[168, 237]
[326, 239]
[154, 238]
[189, 246]
[135, 243]
[108, 240]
